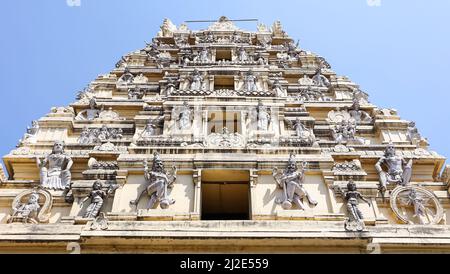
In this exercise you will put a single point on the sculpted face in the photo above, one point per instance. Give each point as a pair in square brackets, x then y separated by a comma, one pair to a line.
[58, 147]
[351, 186]
[92, 103]
[33, 198]
[97, 186]
[390, 150]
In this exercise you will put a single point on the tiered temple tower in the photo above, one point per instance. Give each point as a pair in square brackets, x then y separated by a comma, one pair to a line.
[223, 140]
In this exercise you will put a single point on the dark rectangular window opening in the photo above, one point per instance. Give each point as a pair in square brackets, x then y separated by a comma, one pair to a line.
[223, 55]
[223, 82]
[225, 200]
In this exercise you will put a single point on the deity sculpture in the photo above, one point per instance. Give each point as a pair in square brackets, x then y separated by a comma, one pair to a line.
[263, 117]
[204, 55]
[127, 77]
[136, 93]
[196, 80]
[278, 89]
[185, 117]
[292, 49]
[28, 211]
[307, 135]
[250, 81]
[236, 37]
[149, 130]
[171, 86]
[98, 197]
[242, 55]
[259, 58]
[159, 183]
[352, 196]
[291, 180]
[320, 80]
[89, 114]
[398, 170]
[344, 131]
[358, 114]
[418, 203]
[55, 168]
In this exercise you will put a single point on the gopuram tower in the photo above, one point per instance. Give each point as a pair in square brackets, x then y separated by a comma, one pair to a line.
[223, 140]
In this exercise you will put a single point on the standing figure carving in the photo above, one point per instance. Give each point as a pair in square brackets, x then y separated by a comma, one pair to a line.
[98, 197]
[242, 55]
[398, 170]
[55, 168]
[263, 117]
[352, 196]
[250, 81]
[196, 80]
[291, 180]
[185, 117]
[159, 183]
[203, 55]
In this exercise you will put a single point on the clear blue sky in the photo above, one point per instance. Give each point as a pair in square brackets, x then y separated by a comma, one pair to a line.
[398, 51]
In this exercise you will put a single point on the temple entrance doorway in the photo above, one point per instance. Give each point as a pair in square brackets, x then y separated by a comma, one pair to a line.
[225, 195]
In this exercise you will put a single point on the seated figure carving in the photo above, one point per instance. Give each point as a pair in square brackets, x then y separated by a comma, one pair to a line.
[55, 168]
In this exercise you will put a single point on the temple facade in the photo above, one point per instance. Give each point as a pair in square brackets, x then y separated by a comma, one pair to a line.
[223, 140]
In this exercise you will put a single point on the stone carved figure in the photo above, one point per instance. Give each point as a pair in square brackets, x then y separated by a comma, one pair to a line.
[31, 210]
[28, 211]
[160, 182]
[398, 170]
[55, 168]
[344, 131]
[414, 135]
[278, 89]
[304, 133]
[250, 80]
[127, 77]
[352, 196]
[149, 130]
[291, 180]
[425, 206]
[225, 139]
[98, 197]
[171, 86]
[196, 81]
[136, 93]
[359, 115]
[109, 114]
[89, 114]
[242, 55]
[309, 94]
[91, 136]
[203, 56]
[292, 49]
[185, 117]
[263, 117]
[305, 81]
[320, 80]
[34, 210]
[260, 60]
